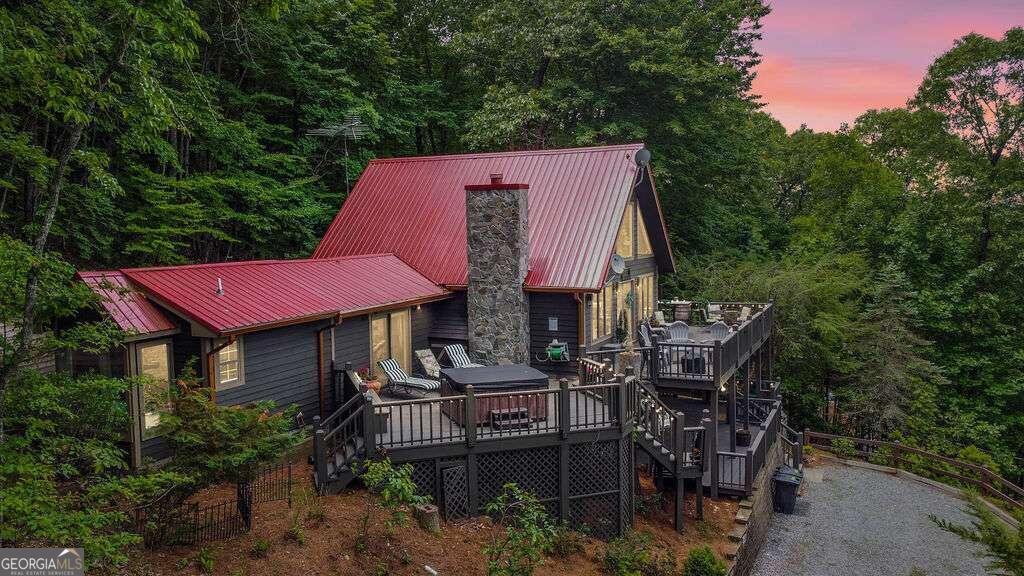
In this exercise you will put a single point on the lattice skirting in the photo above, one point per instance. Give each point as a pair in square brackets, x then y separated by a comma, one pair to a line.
[596, 498]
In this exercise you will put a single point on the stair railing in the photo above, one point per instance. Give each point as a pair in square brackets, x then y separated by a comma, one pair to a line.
[342, 428]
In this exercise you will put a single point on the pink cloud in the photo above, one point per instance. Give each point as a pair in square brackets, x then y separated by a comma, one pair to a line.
[827, 61]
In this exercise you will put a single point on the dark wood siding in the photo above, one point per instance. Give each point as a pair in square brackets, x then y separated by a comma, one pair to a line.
[451, 321]
[187, 348]
[280, 365]
[564, 308]
[352, 343]
[422, 324]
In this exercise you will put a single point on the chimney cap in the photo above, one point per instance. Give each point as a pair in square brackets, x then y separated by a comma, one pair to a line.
[497, 183]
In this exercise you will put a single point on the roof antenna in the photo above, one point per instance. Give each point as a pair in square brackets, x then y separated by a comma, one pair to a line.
[220, 287]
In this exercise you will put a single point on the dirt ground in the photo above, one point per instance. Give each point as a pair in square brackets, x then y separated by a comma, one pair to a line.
[329, 527]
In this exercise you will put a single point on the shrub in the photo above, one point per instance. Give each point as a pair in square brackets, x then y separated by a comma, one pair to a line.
[844, 448]
[882, 456]
[260, 548]
[391, 488]
[703, 562]
[204, 560]
[224, 442]
[528, 532]
[628, 555]
[64, 474]
[565, 542]
[296, 533]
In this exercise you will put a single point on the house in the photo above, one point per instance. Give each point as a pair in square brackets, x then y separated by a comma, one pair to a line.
[504, 253]
[390, 276]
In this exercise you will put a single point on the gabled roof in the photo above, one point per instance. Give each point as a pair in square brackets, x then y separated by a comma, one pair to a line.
[415, 209]
[266, 293]
[129, 309]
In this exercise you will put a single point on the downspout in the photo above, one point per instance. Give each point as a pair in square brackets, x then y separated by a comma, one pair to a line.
[320, 359]
[581, 329]
[210, 379]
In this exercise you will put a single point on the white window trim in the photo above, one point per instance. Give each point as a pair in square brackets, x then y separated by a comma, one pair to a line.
[240, 381]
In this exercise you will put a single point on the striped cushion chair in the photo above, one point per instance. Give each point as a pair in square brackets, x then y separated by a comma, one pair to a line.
[458, 357]
[400, 383]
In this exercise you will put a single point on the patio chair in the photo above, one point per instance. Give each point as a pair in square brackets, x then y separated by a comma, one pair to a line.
[719, 330]
[744, 314]
[678, 331]
[428, 363]
[457, 355]
[401, 384]
[649, 340]
[659, 318]
[713, 313]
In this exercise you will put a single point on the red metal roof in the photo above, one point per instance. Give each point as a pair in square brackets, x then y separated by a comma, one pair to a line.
[261, 293]
[127, 307]
[415, 208]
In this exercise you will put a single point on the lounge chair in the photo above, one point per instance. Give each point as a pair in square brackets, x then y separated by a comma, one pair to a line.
[428, 363]
[457, 356]
[678, 332]
[401, 384]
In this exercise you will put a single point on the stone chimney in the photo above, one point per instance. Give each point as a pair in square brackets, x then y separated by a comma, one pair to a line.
[497, 251]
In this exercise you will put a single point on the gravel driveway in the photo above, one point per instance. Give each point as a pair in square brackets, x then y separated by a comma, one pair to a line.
[856, 522]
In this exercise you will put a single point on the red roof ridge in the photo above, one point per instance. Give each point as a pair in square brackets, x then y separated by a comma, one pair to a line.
[544, 152]
[240, 263]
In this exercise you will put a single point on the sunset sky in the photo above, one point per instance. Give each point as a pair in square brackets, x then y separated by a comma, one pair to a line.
[827, 61]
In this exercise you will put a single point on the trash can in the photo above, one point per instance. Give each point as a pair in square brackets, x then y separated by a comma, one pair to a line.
[787, 481]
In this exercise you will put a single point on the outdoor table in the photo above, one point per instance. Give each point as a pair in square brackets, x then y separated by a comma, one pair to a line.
[503, 379]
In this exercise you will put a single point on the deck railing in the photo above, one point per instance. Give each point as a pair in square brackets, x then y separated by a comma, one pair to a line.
[341, 433]
[473, 417]
[715, 361]
[737, 470]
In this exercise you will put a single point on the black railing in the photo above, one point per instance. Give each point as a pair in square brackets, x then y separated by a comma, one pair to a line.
[338, 439]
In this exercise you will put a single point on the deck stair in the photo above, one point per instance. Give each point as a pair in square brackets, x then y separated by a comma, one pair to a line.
[338, 443]
[676, 449]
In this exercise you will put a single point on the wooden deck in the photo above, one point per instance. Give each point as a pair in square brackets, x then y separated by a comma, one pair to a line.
[435, 420]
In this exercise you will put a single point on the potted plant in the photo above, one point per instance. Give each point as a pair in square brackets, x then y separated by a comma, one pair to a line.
[370, 383]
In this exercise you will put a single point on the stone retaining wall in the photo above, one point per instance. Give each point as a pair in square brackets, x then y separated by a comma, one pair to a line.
[751, 524]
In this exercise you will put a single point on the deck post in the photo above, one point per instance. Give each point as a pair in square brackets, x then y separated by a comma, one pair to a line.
[320, 458]
[620, 408]
[369, 426]
[731, 411]
[716, 371]
[470, 416]
[564, 416]
[711, 439]
[653, 362]
[680, 500]
[748, 470]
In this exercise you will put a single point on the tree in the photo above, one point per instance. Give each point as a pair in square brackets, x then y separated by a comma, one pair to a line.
[1004, 545]
[71, 66]
[978, 86]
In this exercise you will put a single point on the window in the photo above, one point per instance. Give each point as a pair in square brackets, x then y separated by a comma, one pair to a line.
[391, 337]
[601, 324]
[646, 293]
[155, 368]
[625, 299]
[624, 240]
[643, 241]
[229, 365]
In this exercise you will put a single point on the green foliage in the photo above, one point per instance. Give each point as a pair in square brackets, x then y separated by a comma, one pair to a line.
[702, 561]
[260, 548]
[220, 443]
[1004, 546]
[565, 542]
[844, 448]
[392, 489]
[628, 555]
[528, 532]
[63, 469]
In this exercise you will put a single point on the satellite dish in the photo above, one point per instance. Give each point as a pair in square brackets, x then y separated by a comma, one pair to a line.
[618, 264]
[643, 157]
